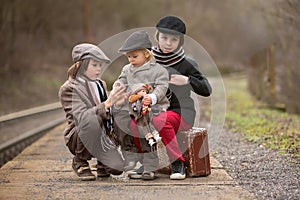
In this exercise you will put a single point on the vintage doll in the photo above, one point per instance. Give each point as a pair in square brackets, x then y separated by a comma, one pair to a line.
[142, 113]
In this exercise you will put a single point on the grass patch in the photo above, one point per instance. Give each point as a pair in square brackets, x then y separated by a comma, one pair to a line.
[272, 128]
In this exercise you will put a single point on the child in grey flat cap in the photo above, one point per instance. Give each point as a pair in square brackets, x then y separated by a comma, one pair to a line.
[142, 69]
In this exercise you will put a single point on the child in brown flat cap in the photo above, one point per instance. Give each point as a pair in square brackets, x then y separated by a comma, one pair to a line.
[89, 121]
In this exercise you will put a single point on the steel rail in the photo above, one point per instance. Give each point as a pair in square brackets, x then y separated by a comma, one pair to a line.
[12, 147]
[31, 111]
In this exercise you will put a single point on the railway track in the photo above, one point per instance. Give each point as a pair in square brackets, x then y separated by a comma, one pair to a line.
[20, 129]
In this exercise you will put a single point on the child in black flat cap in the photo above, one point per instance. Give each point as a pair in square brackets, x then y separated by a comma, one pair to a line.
[184, 78]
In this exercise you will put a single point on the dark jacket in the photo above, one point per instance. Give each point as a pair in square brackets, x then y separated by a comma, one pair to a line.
[180, 96]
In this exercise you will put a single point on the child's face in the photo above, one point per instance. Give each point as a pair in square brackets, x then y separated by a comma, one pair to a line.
[93, 69]
[137, 58]
[167, 42]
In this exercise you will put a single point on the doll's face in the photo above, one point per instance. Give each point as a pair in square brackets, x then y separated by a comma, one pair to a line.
[167, 42]
[142, 92]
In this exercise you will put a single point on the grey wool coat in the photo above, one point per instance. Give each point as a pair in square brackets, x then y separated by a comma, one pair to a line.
[152, 74]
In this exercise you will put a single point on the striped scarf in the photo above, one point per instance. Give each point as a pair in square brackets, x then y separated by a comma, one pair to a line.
[168, 59]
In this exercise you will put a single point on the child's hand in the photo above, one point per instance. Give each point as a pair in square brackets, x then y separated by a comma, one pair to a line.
[178, 79]
[116, 95]
[122, 99]
[147, 100]
[117, 84]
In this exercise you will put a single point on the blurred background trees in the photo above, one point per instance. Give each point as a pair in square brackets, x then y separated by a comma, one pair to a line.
[37, 38]
[275, 69]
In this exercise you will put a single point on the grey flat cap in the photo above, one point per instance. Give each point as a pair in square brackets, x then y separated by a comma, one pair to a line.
[137, 40]
[86, 50]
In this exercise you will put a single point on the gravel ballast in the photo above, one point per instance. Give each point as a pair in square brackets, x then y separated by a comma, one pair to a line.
[257, 169]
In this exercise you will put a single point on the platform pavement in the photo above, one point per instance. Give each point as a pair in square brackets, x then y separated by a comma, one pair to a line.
[43, 171]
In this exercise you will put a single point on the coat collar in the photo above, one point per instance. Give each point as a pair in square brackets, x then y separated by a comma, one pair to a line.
[83, 86]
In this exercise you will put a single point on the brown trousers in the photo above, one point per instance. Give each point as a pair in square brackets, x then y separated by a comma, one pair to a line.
[76, 147]
[114, 163]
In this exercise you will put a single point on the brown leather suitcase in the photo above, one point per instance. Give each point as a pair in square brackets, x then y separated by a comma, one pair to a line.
[194, 144]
